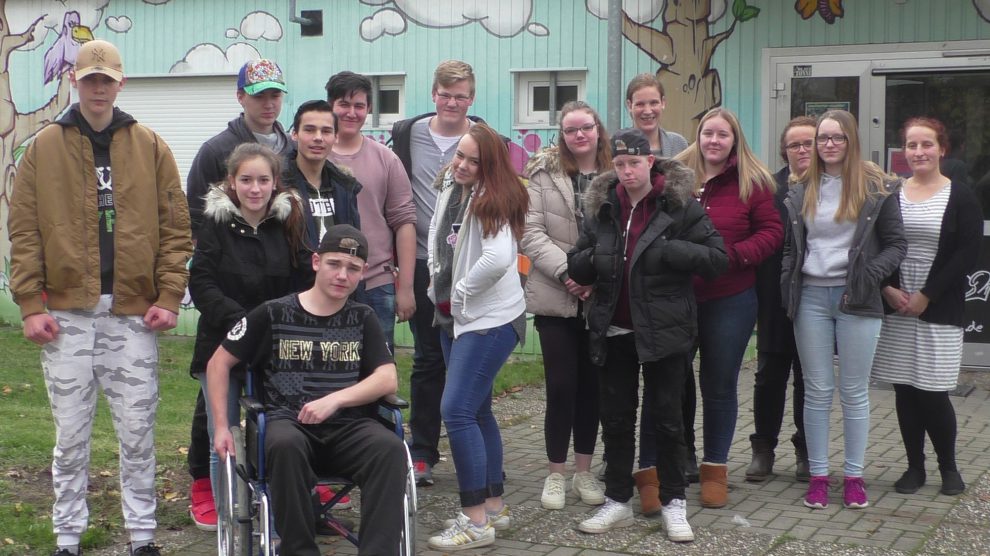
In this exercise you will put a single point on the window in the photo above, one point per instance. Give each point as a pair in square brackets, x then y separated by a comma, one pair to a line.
[536, 90]
[389, 106]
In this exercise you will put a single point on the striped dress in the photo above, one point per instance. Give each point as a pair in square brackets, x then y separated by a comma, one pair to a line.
[911, 351]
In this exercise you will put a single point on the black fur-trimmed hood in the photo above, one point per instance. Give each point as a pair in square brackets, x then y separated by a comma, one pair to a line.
[678, 186]
[220, 208]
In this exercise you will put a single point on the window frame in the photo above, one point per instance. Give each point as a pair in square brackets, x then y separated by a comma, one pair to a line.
[525, 80]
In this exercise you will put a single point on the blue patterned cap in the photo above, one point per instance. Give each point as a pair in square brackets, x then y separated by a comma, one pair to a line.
[260, 75]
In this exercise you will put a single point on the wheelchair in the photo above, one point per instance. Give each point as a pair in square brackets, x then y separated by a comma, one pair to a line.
[245, 523]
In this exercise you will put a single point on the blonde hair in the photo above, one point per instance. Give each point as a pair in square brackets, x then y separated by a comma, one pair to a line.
[453, 71]
[751, 170]
[859, 178]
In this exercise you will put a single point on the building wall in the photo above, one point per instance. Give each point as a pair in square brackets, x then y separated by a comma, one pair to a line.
[158, 37]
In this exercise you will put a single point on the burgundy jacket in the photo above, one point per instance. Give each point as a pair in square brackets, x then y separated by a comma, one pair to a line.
[752, 232]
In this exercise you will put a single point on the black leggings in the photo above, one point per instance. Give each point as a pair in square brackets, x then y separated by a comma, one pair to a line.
[921, 411]
[572, 387]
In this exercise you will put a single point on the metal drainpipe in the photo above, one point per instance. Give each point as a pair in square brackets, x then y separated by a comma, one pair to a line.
[613, 59]
[292, 15]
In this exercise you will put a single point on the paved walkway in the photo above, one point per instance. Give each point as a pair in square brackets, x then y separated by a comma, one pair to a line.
[761, 519]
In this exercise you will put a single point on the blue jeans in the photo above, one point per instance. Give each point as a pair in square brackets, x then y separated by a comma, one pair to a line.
[725, 326]
[234, 390]
[473, 360]
[382, 300]
[819, 329]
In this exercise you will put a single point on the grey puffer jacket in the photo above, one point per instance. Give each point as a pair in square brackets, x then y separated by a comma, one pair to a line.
[551, 231]
[878, 246]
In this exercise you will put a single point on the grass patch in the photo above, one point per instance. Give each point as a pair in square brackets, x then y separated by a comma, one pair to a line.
[28, 437]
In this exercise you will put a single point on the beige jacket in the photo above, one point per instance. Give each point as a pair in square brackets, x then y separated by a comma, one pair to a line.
[551, 231]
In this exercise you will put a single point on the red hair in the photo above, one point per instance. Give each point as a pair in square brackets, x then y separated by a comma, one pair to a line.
[503, 199]
[941, 134]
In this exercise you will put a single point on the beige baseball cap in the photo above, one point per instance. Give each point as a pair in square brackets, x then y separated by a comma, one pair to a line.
[99, 56]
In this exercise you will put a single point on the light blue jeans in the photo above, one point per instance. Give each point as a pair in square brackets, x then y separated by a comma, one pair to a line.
[819, 329]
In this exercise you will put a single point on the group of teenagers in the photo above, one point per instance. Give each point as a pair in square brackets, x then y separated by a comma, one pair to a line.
[306, 246]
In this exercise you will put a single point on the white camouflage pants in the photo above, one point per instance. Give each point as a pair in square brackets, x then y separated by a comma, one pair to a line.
[95, 348]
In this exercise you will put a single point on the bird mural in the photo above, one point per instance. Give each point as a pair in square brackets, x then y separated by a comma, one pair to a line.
[62, 55]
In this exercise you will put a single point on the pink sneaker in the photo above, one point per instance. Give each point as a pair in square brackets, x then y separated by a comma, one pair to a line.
[854, 493]
[817, 497]
[326, 493]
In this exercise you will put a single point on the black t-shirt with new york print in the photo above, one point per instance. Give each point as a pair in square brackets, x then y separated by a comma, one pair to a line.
[303, 357]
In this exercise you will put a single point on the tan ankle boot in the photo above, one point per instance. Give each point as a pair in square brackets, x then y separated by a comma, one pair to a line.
[714, 484]
[649, 490]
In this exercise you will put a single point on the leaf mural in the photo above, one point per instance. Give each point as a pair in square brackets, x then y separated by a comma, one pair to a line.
[828, 9]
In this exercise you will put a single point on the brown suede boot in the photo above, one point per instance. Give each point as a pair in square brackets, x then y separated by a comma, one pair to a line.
[649, 490]
[714, 484]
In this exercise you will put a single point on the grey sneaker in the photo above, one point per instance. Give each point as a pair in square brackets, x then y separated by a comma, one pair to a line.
[462, 535]
[588, 488]
[675, 521]
[610, 515]
[499, 521]
[554, 492]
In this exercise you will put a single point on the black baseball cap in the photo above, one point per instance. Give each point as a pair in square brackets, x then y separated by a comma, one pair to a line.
[344, 238]
[630, 141]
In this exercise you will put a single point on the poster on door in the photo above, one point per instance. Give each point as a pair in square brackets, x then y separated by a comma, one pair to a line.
[977, 321]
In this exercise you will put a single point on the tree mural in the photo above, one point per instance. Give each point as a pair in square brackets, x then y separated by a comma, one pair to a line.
[683, 47]
[17, 127]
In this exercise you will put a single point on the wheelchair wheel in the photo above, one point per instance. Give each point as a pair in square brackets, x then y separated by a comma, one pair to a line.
[408, 543]
[233, 504]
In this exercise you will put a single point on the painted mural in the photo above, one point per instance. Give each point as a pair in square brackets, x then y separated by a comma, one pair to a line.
[26, 28]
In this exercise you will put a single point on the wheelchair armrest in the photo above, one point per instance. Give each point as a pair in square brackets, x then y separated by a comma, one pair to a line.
[392, 401]
[252, 405]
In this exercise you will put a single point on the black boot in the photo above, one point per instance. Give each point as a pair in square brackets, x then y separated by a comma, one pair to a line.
[691, 466]
[952, 483]
[761, 467]
[802, 472]
[911, 480]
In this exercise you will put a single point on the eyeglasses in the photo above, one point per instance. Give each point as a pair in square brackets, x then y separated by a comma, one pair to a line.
[797, 146]
[447, 97]
[835, 139]
[585, 129]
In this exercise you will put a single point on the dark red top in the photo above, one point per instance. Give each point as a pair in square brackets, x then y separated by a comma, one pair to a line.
[752, 232]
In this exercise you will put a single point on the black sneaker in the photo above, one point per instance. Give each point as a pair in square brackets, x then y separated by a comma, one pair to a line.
[147, 550]
[66, 552]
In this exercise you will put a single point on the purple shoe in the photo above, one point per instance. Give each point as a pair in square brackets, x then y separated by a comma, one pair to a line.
[817, 497]
[854, 493]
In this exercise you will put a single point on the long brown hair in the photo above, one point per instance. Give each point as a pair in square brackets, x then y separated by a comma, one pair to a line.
[603, 160]
[295, 228]
[859, 178]
[752, 172]
[502, 198]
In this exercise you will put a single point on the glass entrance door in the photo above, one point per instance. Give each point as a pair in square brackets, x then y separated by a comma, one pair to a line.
[811, 85]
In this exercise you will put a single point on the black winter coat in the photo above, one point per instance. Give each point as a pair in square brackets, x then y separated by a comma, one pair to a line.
[345, 191]
[678, 242]
[235, 268]
[774, 331]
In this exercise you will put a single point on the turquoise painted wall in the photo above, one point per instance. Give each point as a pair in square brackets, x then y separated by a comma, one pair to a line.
[160, 35]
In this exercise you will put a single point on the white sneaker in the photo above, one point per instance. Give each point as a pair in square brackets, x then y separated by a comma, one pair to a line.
[609, 516]
[462, 535]
[585, 485]
[675, 521]
[554, 492]
[498, 520]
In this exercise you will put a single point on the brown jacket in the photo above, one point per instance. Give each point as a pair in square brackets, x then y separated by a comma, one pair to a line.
[53, 223]
[551, 231]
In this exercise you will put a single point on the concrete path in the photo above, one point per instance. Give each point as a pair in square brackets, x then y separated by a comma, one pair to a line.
[761, 519]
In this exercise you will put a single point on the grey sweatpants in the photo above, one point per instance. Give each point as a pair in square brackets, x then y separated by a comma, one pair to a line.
[96, 349]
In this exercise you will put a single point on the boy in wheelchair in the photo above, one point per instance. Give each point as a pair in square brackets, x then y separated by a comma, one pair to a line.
[323, 363]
